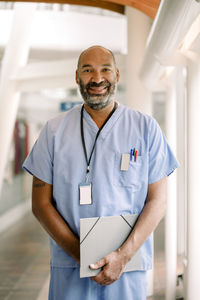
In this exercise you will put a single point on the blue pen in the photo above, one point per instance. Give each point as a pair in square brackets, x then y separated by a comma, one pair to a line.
[131, 154]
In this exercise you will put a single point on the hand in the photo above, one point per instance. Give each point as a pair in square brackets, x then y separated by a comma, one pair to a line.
[113, 265]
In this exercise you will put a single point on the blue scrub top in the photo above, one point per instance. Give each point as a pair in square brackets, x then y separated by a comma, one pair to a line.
[58, 159]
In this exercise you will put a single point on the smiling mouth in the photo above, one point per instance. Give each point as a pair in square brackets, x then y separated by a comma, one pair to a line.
[98, 90]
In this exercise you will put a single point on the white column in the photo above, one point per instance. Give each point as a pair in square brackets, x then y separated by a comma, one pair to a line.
[137, 97]
[192, 283]
[171, 211]
[138, 29]
[181, 155]
[16, 55]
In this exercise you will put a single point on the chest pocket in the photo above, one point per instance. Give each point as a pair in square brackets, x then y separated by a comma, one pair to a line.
[131, 178]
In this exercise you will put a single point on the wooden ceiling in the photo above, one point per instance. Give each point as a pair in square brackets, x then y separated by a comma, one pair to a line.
[149, 7]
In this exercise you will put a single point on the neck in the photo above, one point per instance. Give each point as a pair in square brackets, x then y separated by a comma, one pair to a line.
[99, 116]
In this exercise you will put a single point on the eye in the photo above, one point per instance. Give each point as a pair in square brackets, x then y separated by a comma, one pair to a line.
[86, 70]
[106, 70]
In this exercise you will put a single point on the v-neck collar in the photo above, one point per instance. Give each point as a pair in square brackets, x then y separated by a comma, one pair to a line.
[108, 125]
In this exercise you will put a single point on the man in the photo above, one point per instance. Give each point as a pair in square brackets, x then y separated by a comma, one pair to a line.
[88, 146]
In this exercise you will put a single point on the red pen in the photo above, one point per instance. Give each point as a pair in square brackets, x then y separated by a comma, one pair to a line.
[136, 153]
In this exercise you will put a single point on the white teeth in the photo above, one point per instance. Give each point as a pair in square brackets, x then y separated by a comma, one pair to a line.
[97, 88]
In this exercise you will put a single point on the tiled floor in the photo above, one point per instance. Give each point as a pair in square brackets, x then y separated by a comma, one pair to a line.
[24, 262]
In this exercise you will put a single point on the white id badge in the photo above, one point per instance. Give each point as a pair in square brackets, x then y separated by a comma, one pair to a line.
[85, 192]
[125, 162]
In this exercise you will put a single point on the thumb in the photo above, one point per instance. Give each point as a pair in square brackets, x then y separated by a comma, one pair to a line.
[98, 264]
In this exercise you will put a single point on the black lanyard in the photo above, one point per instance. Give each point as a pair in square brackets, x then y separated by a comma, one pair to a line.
[97, 135]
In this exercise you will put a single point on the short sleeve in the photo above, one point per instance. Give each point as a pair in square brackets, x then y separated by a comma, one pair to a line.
[162, 161]
[39, 162]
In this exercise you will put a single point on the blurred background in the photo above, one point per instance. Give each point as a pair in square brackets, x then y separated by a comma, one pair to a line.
[157, 49]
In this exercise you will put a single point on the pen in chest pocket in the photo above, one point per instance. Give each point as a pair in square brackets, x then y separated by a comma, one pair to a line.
[133, 153]
[127, 157]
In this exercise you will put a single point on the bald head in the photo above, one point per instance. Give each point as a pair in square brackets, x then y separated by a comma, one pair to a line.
[97, 77]
[95, 50]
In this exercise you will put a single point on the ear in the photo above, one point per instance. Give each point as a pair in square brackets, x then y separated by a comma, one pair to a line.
[77, 81]
[117, 75]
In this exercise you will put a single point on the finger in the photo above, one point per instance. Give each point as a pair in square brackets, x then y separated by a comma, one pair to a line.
[108, 282]
[102, 281]
[99, 278]
[98, 264]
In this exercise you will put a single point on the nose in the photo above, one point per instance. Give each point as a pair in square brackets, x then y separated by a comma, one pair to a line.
[97, 77]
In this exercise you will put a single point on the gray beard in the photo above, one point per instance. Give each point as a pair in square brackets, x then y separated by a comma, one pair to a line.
[97, 102]
[98, 105]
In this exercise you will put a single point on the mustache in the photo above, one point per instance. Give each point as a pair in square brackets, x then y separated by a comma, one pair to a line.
[104, 83]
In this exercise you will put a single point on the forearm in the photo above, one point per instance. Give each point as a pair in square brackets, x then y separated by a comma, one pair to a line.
[58, 229]
[154, 209]
[151, 215]
[51, 220]
[146, 224]
[114, 263]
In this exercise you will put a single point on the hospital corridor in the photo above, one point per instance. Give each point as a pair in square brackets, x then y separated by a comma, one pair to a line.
[156, 47]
